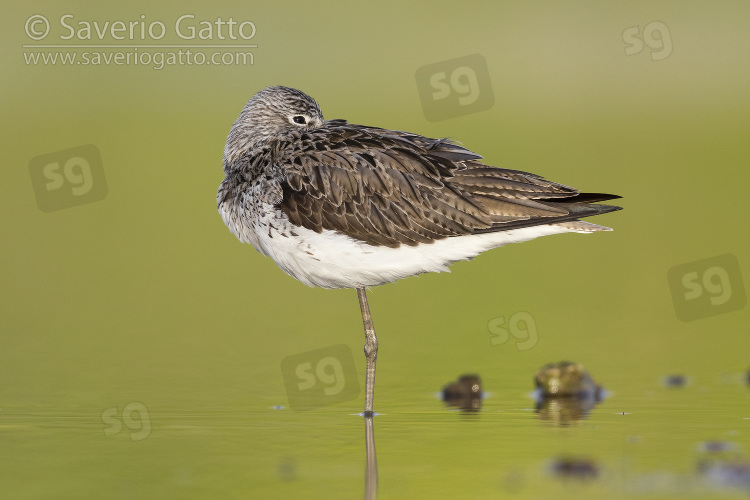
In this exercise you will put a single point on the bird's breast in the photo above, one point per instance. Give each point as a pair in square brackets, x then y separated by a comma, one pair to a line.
[245, 206]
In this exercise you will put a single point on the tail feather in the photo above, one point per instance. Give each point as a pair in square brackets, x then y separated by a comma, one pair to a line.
[585, 198]
[576, 211]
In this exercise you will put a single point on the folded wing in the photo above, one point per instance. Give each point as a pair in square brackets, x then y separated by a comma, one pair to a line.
[392, 188]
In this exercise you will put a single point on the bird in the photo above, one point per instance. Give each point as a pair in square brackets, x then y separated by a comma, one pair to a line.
[339, 205]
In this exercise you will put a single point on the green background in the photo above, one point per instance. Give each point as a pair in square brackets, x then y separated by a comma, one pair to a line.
[146, 297]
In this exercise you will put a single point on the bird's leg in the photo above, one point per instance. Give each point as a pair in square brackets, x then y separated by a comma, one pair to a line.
[371, 351]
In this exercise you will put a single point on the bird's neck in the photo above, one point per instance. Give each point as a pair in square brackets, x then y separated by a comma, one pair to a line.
[244, 137]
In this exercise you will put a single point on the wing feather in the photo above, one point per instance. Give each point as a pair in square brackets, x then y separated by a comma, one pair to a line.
[391, 188]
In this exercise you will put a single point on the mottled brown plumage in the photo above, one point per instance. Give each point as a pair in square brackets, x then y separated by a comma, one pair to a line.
[390, 188]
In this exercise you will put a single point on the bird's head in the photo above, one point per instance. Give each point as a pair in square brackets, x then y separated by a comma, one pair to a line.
[272, 112]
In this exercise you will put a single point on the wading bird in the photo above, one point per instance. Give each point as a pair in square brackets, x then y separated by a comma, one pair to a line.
[338, 205]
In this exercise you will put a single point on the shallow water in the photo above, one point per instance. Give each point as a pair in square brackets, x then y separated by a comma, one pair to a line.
[644, 441]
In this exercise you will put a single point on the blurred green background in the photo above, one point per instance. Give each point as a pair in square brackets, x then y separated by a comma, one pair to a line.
[145, 296]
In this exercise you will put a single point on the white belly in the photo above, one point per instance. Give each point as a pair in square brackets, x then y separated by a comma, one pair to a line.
[334, 260]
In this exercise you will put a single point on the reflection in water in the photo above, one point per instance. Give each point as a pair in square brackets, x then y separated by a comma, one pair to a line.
[287, 469]
[724, 464]
[371, 468]
[565, 392]
[564, 410]
[733, 474]
[465, 393]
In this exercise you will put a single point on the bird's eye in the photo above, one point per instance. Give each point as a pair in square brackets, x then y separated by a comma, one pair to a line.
[299, 119]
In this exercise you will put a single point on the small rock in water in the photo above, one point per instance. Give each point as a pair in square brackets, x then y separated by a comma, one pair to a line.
[576, 468]
[566, 379]
[717, 446]
[675, 380]
[465, 393]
